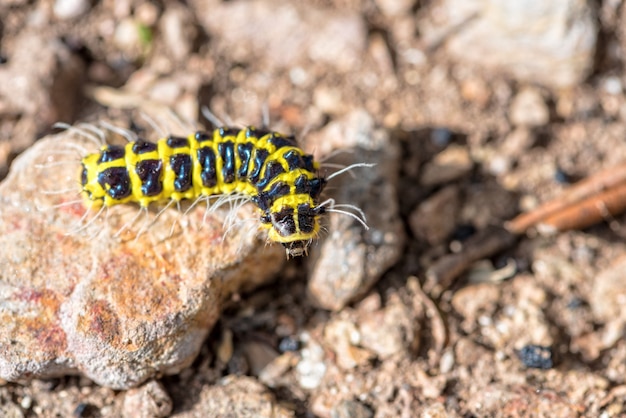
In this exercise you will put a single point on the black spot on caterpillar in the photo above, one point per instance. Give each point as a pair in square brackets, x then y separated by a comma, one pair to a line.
[264, 166]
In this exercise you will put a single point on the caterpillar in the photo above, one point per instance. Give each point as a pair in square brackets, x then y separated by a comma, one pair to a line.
[264, 166]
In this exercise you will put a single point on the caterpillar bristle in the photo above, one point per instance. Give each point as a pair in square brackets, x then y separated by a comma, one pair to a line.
[226, 168]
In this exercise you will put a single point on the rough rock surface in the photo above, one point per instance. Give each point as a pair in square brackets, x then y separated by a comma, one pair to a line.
[350, 260]
[547, 42]
[117, 309]
[237, 396]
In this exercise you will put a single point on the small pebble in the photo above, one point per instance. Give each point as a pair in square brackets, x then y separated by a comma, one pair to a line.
[529, 108]
[394, 7]
[288, 344]
[435, 218]
[26, 402]
[451, 164]
[351, 409]
[311, 368]
[150, 400]
[69, 9]
[536, 356]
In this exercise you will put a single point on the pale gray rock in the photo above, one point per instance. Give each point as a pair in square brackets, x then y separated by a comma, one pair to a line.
[237, 396]
[547, 42]
[150, 400]
[529, 109]
[352, 258]
[248, 30]
[435, 218]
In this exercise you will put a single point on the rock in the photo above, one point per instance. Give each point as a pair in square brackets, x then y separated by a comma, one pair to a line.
[258, 354]
[70, 9]
[344, 337]
[436, 218]
[351, 258]
[237, 396]
[37, 95]
[389, 331]
[394, 7]
[129, 38]
[147, 401]
[351, 409]
[178, 30]
[277, 368]
[551, 43]
[449, 165]
[119, 309]
[529, 109]
[311, 368]
[608, 295]
[305, 33]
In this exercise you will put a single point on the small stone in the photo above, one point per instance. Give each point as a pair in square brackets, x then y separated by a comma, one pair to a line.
[305, 33]
[475, 300]
[536, 357]
[237, 396]
[9, 409]
[476, 90]
[551, 43]
[394, 7]
[449, 165]
[608, 295]
[26, 402]
[40, 94]
[435, 410]
[178, 32]
[258, 355]
[149, 400]
[273, 371]
[529, 108]
[389, 331]
[311, 369]
[351, 409]
[70, 9]
[343, 337]
[127, 37]
[351, 258]
[435, 219]
[328, 100]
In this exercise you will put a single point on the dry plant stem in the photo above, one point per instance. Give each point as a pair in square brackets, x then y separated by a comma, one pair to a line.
[439, 331]
[484, 244]
[593, 189]
[589, 211]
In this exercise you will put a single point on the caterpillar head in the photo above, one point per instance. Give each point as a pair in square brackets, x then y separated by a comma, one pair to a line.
[294, 226]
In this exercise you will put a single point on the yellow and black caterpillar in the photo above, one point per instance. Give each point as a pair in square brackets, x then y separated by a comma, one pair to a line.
[268, 167]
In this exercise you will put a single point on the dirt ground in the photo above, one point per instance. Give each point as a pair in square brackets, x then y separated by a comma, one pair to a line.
[532, 328]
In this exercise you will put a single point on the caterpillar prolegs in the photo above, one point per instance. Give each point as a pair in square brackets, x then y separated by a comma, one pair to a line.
[265, 166]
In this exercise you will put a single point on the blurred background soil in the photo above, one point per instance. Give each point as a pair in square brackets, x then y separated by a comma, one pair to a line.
[495, 108]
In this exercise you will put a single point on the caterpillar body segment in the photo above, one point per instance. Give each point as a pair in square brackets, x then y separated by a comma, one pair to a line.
[267, 167]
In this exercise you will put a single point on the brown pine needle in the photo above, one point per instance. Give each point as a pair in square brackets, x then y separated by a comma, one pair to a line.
[582, 205]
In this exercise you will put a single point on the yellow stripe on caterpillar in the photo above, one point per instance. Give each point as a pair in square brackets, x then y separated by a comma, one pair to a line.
[267, 167]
